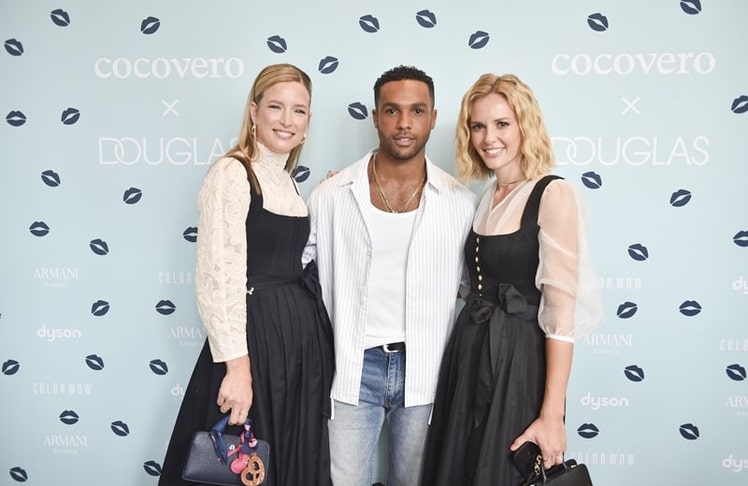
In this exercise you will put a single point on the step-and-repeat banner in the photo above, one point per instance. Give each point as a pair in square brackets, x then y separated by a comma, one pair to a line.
[113, 112]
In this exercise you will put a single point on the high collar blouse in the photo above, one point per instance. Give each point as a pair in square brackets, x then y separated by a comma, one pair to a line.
[221, 269]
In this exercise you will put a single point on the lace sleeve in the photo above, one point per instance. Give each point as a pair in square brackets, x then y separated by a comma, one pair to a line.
[221, 272]
[570, 305]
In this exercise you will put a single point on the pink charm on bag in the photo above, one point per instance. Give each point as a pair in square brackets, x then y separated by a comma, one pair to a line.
[240, 463]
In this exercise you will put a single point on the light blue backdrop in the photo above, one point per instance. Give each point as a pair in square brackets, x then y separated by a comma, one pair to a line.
[114, 110]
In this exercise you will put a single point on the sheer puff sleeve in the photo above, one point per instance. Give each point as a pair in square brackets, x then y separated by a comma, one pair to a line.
[570, 305]
[221, 270]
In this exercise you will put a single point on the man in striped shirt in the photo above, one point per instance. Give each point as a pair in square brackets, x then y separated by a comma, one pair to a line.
[387, 233]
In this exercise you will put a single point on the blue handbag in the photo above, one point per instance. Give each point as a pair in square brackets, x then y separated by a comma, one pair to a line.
[224, 460]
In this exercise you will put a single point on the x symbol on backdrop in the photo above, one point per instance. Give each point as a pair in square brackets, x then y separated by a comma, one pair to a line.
[630, 105]
[169, 107]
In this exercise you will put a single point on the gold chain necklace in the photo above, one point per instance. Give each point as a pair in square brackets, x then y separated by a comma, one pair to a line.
[507, 184]
[381, 191]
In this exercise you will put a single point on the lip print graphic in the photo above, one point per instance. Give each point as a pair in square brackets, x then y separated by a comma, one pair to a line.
[11, 367]
[60, 17]
[300, 173]
[588, 431]
[69, 417]
[120, 428]
[19, 474]
[690, 308]
[478, 39]
[70, 116]
[328, 65]
[150, 25]
[358, 111]
[626, 310]
[735, 372]
[99, 246]
[597, 22]
[634, 373]
[369, 23]
[739, 105]
[592, 180]
[638, 252]
[14, 47]
[132, 195]
[39, 228]
[158, 367]
[689, 431]
[100, 308]
[277, 44]
[51, 178]
[94, 362]
[165, 307]
[680, 198]
[691, 7]
[426, 19]
[152, 468]
[741, 238]
[190, 234]
[15, 118]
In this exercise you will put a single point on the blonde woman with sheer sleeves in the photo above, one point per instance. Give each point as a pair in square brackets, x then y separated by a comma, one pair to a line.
[533, 291]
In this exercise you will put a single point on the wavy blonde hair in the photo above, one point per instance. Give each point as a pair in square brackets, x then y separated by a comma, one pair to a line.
[246, 148]
[536, 149]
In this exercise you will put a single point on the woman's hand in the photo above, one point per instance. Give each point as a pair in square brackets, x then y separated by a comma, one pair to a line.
[235, 393]
[548, 430]
[549, 433]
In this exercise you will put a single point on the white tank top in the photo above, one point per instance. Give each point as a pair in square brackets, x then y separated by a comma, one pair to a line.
[390, 239]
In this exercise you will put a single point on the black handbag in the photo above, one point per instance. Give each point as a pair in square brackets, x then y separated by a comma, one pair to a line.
[225, 460]
[529, 461]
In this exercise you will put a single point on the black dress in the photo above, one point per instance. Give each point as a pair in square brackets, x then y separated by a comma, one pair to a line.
[290, 344]
[492, 377]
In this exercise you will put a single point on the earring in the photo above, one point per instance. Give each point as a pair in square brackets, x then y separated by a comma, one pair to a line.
[254, 131]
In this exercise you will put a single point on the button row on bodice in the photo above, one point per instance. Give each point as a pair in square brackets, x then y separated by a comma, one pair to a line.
[477, 266]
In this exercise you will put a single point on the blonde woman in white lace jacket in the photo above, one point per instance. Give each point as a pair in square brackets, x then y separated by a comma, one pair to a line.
[269, 352]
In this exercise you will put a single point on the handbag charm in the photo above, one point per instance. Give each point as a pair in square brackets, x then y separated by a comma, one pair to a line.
[254, 472]
[247, 464]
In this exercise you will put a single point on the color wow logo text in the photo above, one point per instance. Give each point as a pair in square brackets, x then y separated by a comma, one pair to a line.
[175, 278]
[162, 68]
[54, 388]
[620, 283]
[739, 345]
[625, 63]
[604, 458]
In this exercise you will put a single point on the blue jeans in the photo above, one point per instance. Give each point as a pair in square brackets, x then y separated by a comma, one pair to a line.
[354, 430]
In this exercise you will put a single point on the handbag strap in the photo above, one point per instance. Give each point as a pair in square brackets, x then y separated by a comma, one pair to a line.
[247, 440]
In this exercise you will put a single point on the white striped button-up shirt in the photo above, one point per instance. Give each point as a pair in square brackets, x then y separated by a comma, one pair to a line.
[339, 242]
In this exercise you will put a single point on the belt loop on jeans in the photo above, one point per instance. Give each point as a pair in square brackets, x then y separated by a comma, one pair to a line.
[393, 347]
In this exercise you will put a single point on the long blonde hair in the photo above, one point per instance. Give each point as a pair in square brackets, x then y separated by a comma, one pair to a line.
[536, 149]
[246, 148]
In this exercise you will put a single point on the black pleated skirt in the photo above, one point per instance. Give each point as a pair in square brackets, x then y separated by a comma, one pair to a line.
[291, 354]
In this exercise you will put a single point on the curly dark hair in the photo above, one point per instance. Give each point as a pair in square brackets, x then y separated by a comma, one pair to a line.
[401, 73]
